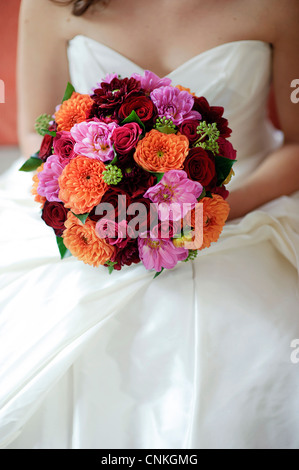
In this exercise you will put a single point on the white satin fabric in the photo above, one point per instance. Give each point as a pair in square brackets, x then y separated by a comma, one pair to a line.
[199, 358]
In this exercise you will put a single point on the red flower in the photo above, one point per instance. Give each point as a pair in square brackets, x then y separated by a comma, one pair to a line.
[46, 147]
[126, 137]
[126, 256]
[136, 181]
[63, 145]
[111, 95]
[119, 199]
[226, 149]
[142, 105]
[212, 114]
[200, 166]
[55, 214]
[189, 129]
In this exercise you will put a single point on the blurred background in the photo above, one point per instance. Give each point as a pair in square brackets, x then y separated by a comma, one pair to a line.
[9, 149]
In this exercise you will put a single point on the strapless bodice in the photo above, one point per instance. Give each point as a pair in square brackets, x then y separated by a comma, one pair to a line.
[235, 75]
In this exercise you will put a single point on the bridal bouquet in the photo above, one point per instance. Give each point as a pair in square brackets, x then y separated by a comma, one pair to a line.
[134, 172]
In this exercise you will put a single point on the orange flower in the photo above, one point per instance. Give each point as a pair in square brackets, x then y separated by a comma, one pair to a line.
[182, 88]
[159, 152]
[38, 198]
[83, 242]
[215, 213]
[81, 184]
[72, 111]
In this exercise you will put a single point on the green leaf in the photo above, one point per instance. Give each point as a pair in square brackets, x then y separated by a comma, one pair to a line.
[223, 166]
[203, 194]
[64, 252]
[32, 163]
[51, 133]
[159, 176]
[111, 265]
[158, 273]
[68, 92]
[133, 117]
[82, 217]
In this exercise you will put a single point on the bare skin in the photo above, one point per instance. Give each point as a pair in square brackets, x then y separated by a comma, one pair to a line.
[160, 35]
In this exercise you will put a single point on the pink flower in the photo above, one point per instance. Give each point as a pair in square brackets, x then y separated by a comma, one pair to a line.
[160, 253]
[114, 233]
[48, 178]
[150, 81]
[94, 139]
[173, 103]
[175, 195]
[108, 79]
[63, 145]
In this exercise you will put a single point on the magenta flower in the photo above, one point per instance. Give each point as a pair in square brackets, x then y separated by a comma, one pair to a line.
[175, 195]
[63, 145]
[94, 139]
[160, 253]
[172, 103]
[48, 178]
[150, 81]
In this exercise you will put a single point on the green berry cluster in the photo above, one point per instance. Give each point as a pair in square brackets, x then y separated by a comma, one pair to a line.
[209, 134]
[112, 175]
[42, 123]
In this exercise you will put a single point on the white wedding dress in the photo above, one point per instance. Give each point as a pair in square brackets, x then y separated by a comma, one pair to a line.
[199, 358]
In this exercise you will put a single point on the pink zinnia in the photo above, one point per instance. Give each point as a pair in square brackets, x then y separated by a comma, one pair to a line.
[175, 195]
[150, 81]
[160, 253]
[173, 103]
[48, 178]
[94, 139]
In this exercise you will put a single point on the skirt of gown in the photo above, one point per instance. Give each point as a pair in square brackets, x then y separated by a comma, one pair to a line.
[202, 357]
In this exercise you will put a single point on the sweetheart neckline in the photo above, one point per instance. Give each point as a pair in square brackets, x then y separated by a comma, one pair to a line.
[184, 64]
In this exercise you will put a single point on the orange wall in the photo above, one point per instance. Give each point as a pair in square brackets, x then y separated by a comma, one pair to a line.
[8, 47]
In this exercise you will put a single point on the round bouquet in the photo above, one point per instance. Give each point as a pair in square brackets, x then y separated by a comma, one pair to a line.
[134, 172]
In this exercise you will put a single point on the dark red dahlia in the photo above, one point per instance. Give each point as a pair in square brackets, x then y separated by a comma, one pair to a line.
[119, 200]
[127, 256]
[212, 114]
[135, 180]
[110, 96]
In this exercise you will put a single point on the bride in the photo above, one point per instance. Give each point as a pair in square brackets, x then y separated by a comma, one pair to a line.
[202, 357]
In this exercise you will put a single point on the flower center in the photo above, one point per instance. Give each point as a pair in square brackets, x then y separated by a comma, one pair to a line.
[160, 153]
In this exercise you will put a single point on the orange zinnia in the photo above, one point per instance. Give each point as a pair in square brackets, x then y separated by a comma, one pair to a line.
[83, 242]
[81, 184]
[215, 213]
[38, 198]
[159, 152]
[182, 88]
[73, 111]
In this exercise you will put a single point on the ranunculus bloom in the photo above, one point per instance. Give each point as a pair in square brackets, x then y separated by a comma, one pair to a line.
[215, 214]
[226, 149]
[212, 114]
[83, 242]
[55, 214]
[126, 137]
[142, 105]
[48, 178]
[63, 145]
[81, 184]
[158, 152]
[73, 111]
[199, 166]
[94, 139]
[189, 129]
[158, 253]
[150, 81]
[172, 103]
[175, 191]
